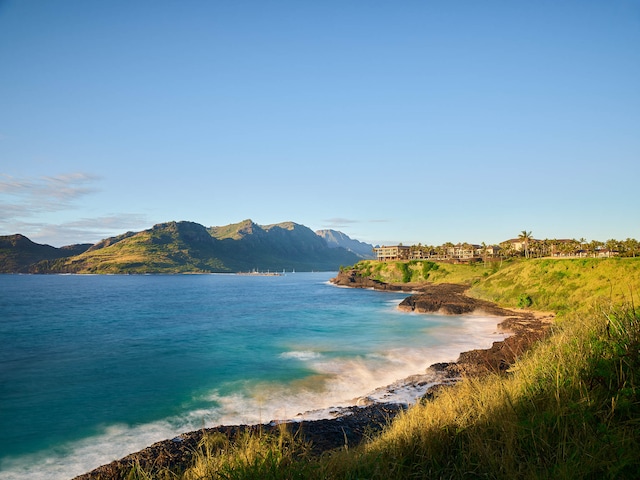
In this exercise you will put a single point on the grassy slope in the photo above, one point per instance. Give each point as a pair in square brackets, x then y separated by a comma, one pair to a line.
[559, 285]
[150, 251]
[563, 285]
[391, 272]
[569, 409]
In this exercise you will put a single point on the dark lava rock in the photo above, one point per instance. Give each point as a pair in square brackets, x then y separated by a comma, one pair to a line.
[350, 278]
[175, 455]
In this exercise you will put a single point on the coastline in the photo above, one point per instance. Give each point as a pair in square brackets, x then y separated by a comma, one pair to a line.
[349, 424]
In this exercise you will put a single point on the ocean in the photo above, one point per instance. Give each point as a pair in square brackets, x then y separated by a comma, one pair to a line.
[94, 367]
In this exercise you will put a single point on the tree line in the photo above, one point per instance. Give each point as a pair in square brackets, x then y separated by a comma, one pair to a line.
[527, 246]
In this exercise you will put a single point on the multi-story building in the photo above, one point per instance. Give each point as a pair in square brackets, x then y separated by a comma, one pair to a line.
[396, 252]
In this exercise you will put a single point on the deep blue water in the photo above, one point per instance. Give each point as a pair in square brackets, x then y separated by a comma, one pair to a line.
[95, 367]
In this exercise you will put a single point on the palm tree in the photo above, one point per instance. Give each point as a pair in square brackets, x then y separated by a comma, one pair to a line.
[613, 246]
[507, 249]
[576, 248]
[525, 237]
[484, 254]
[583, 245]
[631, 246]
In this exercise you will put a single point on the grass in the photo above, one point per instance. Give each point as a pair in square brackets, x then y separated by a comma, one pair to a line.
[252, 455]
[421, 271]
[569, 408]
[562, 286]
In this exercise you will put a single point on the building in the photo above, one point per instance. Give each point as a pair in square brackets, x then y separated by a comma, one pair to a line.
[462, 251]
[396, 252]
[517, 244]
[489, 250]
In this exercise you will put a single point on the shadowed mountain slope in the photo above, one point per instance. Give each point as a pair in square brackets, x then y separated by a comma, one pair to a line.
[335, 238]
[17, 253]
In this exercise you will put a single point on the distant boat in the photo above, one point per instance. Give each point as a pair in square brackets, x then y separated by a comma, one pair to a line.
[256, 272]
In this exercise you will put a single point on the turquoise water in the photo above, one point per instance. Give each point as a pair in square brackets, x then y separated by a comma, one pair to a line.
[95, 367]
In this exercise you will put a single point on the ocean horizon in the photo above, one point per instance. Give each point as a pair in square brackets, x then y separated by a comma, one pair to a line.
[95, 367]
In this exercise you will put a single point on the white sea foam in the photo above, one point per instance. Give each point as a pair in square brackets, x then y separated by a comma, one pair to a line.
[77, 458]
[339, 383]
[301, 355]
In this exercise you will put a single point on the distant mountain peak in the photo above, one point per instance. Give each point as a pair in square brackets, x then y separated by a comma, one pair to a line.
[335, 238]
[235, 231]
[15, 239]
[283, 225]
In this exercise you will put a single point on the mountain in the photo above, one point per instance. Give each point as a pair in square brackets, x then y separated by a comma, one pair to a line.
[335, 239]
[17, 253]
[172, 247]
[288, 245]
[180, 247]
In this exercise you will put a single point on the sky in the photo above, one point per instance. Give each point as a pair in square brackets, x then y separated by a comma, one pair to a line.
[409, 121]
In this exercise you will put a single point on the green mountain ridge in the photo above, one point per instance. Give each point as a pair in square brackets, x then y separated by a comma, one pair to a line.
[181, 247]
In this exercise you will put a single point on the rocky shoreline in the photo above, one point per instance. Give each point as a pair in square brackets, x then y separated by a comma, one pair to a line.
[525, 326]
[352, 423]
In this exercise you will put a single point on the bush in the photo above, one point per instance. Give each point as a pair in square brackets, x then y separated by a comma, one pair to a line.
[524, 301]
[427, 267]
[405, 271]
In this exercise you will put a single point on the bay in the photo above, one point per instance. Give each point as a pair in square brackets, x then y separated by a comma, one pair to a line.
[95, 367]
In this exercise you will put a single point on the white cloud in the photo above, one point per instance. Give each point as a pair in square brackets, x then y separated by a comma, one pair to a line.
[87, 230]
[27, 206]
[338, 222]
[25, 197]
[67, 187]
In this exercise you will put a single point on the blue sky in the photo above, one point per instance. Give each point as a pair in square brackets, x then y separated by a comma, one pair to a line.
[412, 121]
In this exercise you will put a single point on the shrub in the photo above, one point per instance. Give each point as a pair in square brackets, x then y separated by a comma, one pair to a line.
[427, 267]
[405, 271]
[524, 301]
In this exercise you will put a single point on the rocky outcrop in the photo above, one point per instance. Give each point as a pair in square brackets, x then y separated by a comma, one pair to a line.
[351, 278]
[449, 299]
[445, 298]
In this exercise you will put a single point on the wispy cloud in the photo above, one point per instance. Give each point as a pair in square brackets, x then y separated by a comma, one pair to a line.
[28, 205]
[24, 197]
[68, 187]
[90, 230]
[109, 222]
[338, 222]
